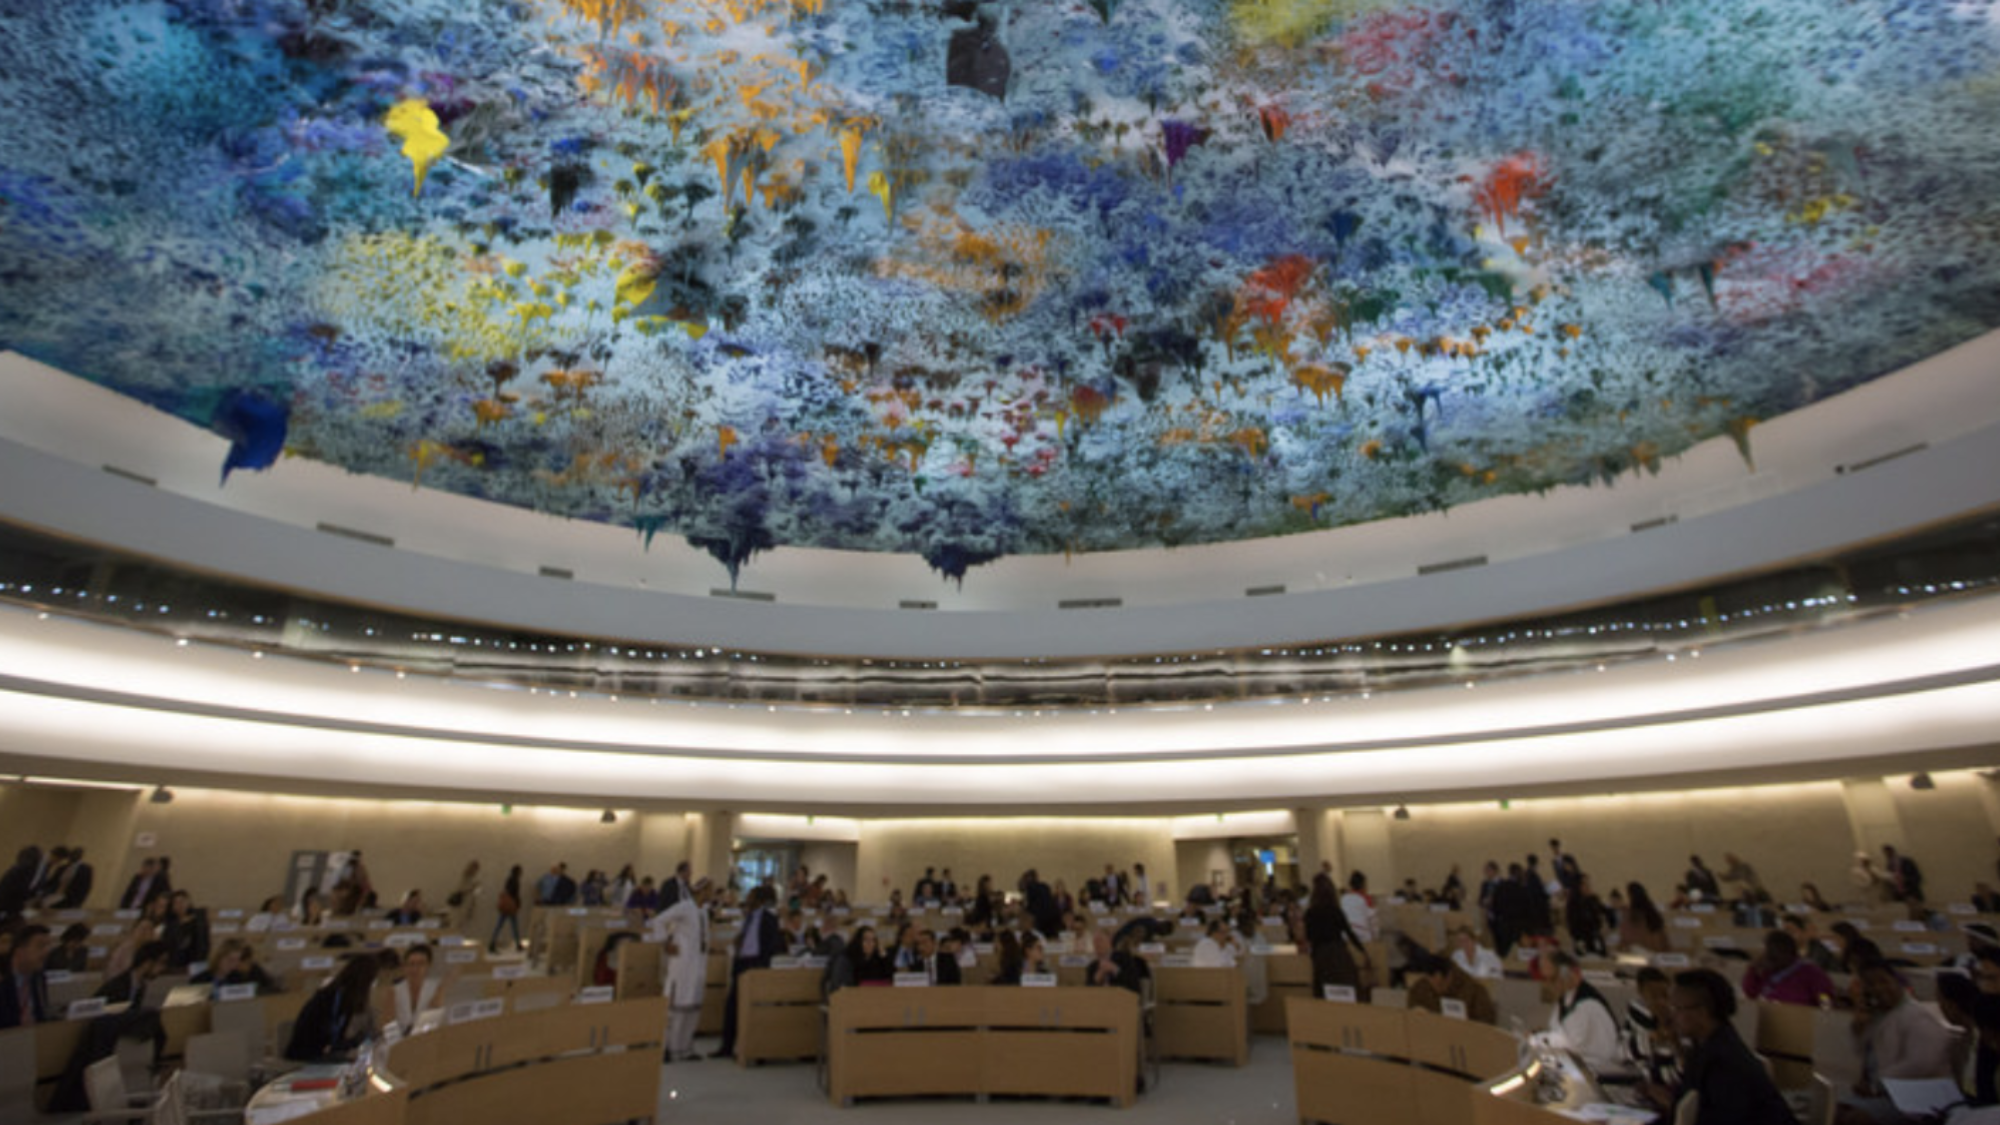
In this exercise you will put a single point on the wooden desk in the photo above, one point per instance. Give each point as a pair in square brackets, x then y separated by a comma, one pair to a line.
[981, 1040]
[778, 1015]
[1286, 975]
[1201, 1014]
[1359, 1064]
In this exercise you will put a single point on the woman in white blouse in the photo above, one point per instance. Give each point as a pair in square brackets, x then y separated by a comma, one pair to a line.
[417, 992]
[1216, 949]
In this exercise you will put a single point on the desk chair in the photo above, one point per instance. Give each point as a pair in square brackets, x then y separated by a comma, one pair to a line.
[110, 1098]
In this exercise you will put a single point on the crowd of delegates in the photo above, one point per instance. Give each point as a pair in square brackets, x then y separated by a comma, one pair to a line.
[1675, 1035]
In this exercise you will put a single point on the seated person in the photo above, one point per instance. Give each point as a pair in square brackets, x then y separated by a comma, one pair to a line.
[1032, 960]
[411, 910]
[1783, 977]
[340, 1016]
[1007, 948]
[72, 951]
[124, 954]
[1217, 947]
[940, 965]
[267, 916]
[185, 931]
[129, 987]
[1651, 1044]
[1433, 980]
[1479, 962]
[1582, 1020]
[1728, 1082]
[236, 963]
[1896, 1038]
[869, 965]
[417, 991]
[1805, 935]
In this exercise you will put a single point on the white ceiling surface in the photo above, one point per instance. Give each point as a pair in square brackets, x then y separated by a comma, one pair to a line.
[479, 561]
[557, 746]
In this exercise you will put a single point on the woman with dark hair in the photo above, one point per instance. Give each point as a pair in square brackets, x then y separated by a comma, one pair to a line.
[417, 991]
[340, 1016]
[1007, 948]
[507, 911]
[311, 910]
[1328, 935]
[1642, 926]
[980, 914]
[868, 964]
[72, 951]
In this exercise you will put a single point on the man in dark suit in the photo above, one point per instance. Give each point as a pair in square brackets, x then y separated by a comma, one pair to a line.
[129, 987]
[1041, 904]
[760, 940]
[941, 966]
[146, 886]
[17, 885]
[24, 994]
[72, 889]
[678, 887]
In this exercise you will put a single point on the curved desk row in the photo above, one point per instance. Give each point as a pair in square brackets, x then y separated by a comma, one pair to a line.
[981, 1040]
[1357, 1064]
[582, 1064]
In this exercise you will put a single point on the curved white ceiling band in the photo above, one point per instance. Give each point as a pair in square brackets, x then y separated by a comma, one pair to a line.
[1445, 741]
[1911, 449]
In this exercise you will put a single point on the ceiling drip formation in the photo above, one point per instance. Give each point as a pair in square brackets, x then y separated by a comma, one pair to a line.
[981, 277]
[113, 587]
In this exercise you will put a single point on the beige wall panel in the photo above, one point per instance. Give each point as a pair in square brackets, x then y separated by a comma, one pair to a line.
[894, 853]
[1789, 833]
[1947, 832]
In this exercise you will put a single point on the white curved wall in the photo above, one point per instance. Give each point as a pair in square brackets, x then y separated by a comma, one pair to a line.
[477, 561]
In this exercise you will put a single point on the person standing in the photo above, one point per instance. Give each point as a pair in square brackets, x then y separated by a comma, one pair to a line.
[1904, 875]
[684, 928]
[1328, 935]
[24, 994]
[465, 900]
[507, 910]
[759, 941]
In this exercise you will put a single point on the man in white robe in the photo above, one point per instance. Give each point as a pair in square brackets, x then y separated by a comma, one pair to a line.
[684, 928]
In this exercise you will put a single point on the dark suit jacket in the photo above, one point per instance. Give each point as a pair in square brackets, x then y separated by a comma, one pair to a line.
[10, 999]
[770, 938]
[1735, 1088]
[130, 900]
[672, 892]
[947, 968]
[78, 891]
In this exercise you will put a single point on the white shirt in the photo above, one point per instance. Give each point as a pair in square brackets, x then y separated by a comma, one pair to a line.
[406, 1011]
[1360, 915]
[1483, 964]
[1212, 954]
[1589, 1029]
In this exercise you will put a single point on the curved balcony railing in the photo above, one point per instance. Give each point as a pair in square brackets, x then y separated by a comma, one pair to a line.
[107, 585]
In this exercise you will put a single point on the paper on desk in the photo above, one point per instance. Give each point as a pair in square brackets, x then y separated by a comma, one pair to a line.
[1922, 1097]
[1609, 1112]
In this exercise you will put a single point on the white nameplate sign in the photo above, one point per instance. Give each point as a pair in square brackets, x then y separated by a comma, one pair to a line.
[1688, 923]
[1702, 908]
[597, 994]
[287, 945]
[283, 926]
[381, 924]
[1074, 960]
[812, 962]
[1177, 961]
[1099, 908]
[86, 1008]
[336, 924]
[841, 912]
[784, 962]
[1723, 941]
[1190, 923]
[1152, 947]
[229, 914]
[578, 911]
[1961, 908]
[953, 911]
[107, 929]
[1453, 1009]
[430, 924]
[1671, 960]
[914, 980]
[461, 956]
[1909, 927]
[316, 963]
[402, 941]
[1107, 922]
[125, 915]
[1340, 993]
[474, 1010]
[1595, 976]
[510, 972]
[983, 948]
[1440, 908]
[56, 976]
[1055, 947]
[1920, 948]
[1038, 980]
[229, 992]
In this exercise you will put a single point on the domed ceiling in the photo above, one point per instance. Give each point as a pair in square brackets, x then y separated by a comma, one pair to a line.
[969, 279]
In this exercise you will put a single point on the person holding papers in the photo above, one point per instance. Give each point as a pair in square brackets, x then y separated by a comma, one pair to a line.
[1898, 1039]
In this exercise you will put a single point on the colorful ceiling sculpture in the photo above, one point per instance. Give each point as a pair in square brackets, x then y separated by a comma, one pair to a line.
[969, 278]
